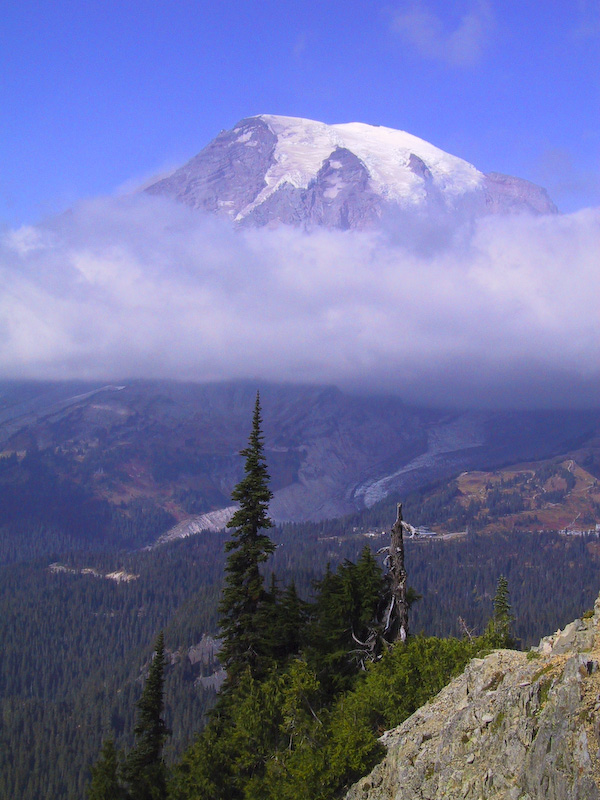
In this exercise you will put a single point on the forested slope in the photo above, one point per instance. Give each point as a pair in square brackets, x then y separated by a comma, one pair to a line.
[76, 646]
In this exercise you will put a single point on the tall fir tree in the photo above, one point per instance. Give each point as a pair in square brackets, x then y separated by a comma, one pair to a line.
[144, 770]
[244, 608]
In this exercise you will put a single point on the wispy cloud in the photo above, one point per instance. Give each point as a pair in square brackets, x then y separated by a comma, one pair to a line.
[139, 286]
[460, 46]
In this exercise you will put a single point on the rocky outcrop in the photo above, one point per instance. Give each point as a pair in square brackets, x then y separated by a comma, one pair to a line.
[505, 194]
[227, 174]
[513, 726]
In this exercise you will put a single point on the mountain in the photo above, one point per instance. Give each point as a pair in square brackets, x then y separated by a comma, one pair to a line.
[513, 725]
[271, 169]
[329, 453]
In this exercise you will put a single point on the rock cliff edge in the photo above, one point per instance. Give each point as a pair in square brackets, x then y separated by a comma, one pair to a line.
[513, 726]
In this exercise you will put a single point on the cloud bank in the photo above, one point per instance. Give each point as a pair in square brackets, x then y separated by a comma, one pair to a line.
[502, 313]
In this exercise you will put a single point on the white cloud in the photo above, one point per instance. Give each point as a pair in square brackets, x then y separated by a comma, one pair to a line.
[460, 46]
[141, 287]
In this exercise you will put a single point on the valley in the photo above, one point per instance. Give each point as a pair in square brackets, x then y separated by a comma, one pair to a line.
[175, 445]
[112, 504]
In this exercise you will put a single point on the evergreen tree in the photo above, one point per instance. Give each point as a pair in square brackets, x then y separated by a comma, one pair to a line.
[105, 783]
[245, 620]
[145, 770]
[291, 622]
[283, 617]
[498, 633]
[343, 632]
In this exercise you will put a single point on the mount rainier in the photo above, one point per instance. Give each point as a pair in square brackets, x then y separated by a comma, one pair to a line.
[272, 169]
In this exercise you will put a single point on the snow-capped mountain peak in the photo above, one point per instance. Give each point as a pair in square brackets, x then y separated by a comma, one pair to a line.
[271, 169]
[304, 145]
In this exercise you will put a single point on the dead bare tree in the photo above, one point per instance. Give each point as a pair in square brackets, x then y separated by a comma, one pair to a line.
[391, 623]
[395, 623]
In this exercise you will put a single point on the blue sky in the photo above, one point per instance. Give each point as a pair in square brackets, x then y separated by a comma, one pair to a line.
[97, 94]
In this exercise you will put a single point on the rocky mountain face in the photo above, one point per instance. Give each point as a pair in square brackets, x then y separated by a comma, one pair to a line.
[271, 169]
[513, 726]
[329, 453]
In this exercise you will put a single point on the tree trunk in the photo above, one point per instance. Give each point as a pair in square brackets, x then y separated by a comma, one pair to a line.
[397, 572]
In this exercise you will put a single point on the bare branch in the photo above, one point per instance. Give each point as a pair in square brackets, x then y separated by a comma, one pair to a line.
[468, 632]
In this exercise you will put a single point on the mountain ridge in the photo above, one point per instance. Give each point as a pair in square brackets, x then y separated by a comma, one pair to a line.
[329, 453]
